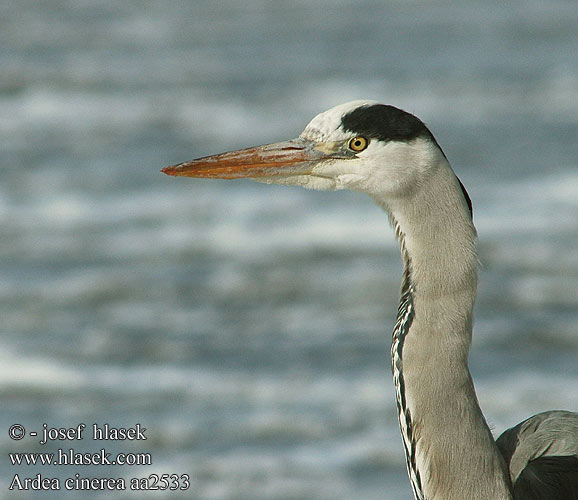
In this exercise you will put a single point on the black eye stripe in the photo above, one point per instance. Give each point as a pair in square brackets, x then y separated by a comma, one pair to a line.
[385, 123]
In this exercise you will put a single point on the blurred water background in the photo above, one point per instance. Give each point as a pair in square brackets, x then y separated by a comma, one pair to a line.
[247, 327]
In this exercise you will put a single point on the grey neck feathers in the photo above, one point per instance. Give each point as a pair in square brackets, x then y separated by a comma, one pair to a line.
[450, 451]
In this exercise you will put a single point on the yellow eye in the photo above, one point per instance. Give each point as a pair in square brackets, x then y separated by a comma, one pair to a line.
[358, 143]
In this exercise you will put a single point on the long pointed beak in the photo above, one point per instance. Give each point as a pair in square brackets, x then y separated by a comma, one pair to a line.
[295, 157]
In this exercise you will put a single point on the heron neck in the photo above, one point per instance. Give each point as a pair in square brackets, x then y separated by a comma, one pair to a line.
[450, 450]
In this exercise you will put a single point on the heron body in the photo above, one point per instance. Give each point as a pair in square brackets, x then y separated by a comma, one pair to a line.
[391, 156]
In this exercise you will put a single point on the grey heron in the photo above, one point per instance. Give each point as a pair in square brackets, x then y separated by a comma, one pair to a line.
[392, 156]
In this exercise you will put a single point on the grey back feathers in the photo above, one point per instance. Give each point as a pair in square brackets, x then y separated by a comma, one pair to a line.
[542, 456]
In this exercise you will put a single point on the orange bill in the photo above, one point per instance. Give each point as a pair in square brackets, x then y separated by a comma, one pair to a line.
[295, 157]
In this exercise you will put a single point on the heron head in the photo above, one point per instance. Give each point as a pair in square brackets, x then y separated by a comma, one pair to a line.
[361, 145]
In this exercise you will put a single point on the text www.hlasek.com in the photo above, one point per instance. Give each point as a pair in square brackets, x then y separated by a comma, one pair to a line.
[71, 457]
